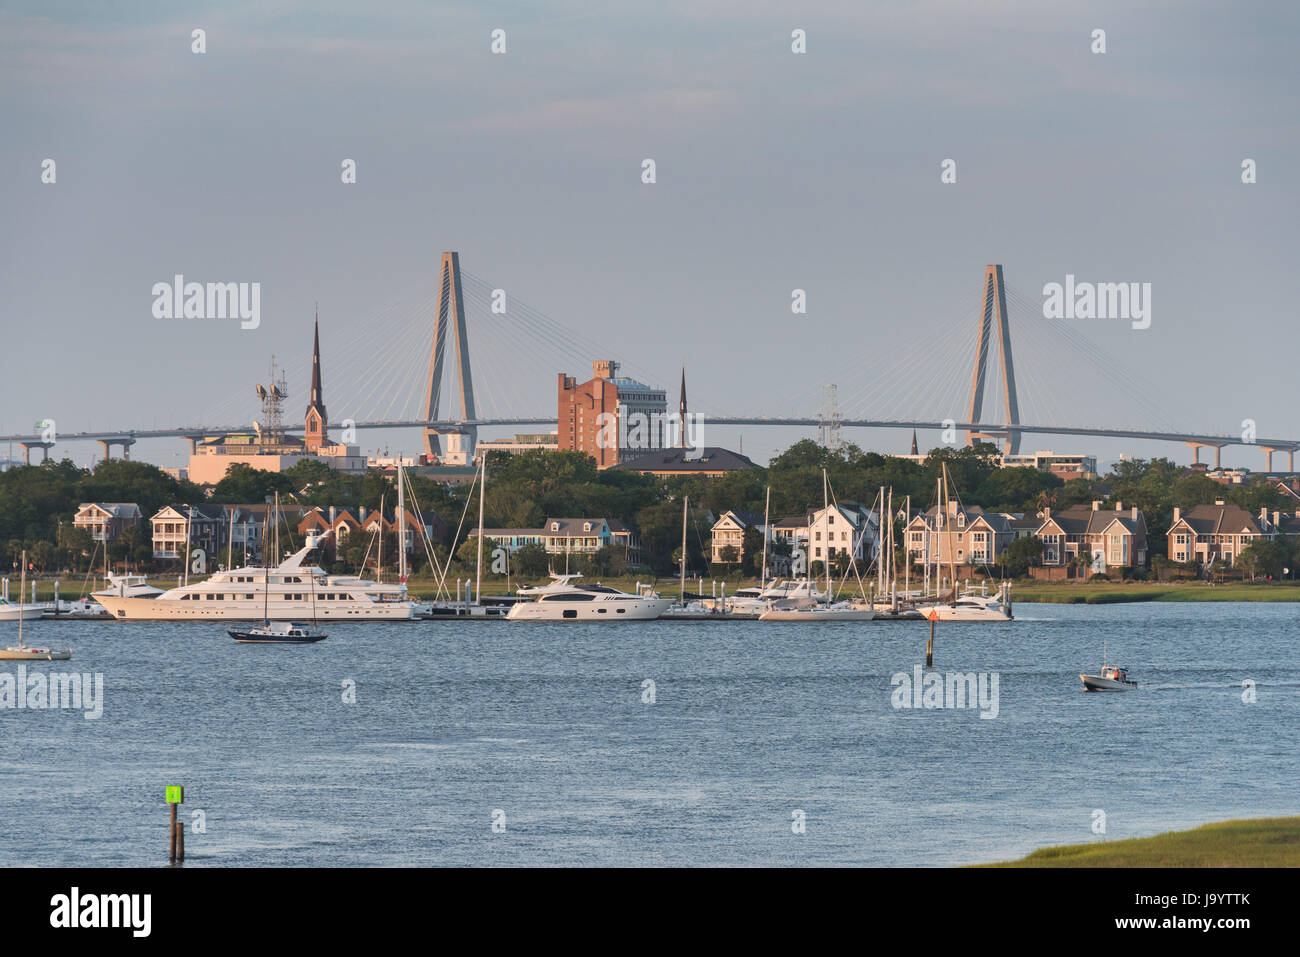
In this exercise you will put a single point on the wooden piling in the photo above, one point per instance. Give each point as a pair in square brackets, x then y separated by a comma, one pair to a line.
[929, 647]
[171, 843]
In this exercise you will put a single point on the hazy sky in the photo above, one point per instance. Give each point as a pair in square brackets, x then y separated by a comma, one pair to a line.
[775, 171]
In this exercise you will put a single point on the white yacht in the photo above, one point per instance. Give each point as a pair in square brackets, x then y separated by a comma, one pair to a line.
[563, 600]
[973, 606]
[16, 611]
[128, 586]
[291, 591]
[837, 611]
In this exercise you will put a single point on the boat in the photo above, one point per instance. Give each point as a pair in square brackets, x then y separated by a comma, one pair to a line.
[17, 611]
[565, 600]
[291, 591]
[128, 586]
[836, 611]
[973, 606]
[804, 608]
[1112, 677]
[21, 651]
[277, 633]
[83, 609]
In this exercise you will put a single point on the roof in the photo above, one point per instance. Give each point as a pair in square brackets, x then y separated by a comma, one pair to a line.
[626, 384]
[115, 509]
[571, 526]
[686, 461]
[745, 516]
[1220, 520]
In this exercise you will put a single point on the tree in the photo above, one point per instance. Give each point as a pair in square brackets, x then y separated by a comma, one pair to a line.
[729, 554]
[1022, 554]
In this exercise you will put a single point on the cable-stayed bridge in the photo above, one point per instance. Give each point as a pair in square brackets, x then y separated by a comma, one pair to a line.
[471, 356]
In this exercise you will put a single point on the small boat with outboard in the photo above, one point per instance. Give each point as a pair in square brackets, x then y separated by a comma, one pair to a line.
[1112, 678]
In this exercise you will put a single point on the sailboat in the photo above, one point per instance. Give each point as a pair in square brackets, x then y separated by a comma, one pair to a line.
[969, 606]
[20, 651]
[280, 632]
[802, 610]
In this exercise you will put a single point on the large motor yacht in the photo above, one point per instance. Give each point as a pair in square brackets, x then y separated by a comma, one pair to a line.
[291, 591]
[564, 600]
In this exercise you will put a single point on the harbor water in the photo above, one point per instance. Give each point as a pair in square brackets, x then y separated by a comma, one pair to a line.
[684, 743]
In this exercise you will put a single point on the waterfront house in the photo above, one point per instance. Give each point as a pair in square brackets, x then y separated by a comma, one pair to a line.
[107, 520]
[1113, 538]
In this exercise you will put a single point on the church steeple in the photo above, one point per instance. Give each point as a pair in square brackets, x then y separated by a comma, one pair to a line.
[914, 452]
[681, 411]
[316, 431]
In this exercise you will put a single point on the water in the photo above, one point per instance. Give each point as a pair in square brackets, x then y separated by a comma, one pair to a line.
[752, 721]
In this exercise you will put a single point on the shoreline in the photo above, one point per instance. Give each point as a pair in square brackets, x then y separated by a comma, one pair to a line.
[1241, 842]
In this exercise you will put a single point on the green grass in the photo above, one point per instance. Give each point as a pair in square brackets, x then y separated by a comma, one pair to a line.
[1100, 593]
[1259, 842]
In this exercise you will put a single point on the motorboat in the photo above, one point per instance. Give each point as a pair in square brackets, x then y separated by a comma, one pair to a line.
[277, 633]
[129, 586]
[291, 591]
[17, 611]
[1112, 678]
[972, 606]
[836, 611]
[83, 609]
[566, 600]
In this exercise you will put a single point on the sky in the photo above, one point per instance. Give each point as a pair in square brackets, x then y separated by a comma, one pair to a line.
[775, 171]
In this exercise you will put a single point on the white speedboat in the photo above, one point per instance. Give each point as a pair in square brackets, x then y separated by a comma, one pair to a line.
[563, 600]
[837, 611]
[17, 611]
[291, 591]
[1112, 678]
[128, 586]
[973, 607]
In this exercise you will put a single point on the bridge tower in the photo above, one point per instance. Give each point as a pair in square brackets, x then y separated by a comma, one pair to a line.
[995, 309]
[451, 315]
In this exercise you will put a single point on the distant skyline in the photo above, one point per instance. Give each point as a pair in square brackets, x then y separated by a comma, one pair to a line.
[775, 171]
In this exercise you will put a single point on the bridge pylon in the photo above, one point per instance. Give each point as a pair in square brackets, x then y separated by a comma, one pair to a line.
[995, 309]
[451, 315]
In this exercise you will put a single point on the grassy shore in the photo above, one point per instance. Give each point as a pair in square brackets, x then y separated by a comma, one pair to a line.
[1259, 842]
[1100, 593]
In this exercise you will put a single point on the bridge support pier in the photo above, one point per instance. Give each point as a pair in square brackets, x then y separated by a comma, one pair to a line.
[123, 440]
[29, 445]
[1268, 451]
[1196, 452]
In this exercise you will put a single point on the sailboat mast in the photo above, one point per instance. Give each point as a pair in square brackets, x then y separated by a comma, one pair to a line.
[952, 546]
[686, 504]
[478, 564]
[379, 573]
[762, 572]
[401, 526]
[826, 505]
[22, 587]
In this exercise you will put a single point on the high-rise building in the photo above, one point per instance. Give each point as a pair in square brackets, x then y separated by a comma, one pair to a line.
[610, 414]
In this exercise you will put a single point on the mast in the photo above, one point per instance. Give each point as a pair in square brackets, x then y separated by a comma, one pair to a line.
[401, 526]
[189, 517]
[478, 563]
[22, 587]
[952, 546]
[762, 572]
[826, 505]
[230, 541]
[686, 502]
[907, 556]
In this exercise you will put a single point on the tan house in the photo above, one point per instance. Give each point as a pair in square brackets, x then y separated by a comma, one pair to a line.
[1113, 538]
[1207, 533]
[965, 536]
[107, 520]
[729, 531]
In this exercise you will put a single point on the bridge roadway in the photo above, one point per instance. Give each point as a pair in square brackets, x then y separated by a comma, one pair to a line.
[1207, 440]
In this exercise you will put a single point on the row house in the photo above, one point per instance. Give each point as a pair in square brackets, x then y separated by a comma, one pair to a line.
[1113, 538]
[179, 529]
[338, 524]
[105, 521]
[729, 531]
[962, 536]
[824, 534]
[1208, 533]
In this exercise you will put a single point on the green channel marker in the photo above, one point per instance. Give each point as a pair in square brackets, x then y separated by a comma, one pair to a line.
[175, 794]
